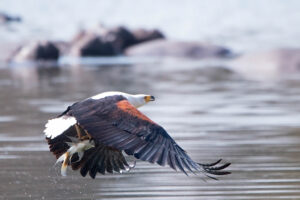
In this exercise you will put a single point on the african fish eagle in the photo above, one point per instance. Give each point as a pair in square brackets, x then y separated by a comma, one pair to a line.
[92, 135]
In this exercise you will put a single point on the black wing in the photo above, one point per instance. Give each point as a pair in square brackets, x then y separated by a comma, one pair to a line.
[97, 159]
[114, 122]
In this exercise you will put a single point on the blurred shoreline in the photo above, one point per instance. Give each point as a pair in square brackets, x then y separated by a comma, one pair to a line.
[247, 25]
[262, 33]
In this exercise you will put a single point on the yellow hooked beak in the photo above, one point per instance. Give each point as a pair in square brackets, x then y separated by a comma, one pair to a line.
[149, 98]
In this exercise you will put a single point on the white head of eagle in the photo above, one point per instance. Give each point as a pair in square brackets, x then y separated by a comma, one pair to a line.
[92, 135]
[137, 100]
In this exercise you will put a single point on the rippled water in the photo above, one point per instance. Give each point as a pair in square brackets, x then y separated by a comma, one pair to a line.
[212, 113]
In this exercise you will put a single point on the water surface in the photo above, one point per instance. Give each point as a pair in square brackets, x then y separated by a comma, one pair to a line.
[212, 113]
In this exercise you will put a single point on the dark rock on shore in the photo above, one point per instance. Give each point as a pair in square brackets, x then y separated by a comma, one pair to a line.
[5, 18]
[36, 51]
[268, 64]
[167, 48]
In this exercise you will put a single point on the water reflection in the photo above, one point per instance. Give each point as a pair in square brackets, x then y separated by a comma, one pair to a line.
[210, 111]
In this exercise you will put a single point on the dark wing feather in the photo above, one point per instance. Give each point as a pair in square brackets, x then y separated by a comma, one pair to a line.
[100, 159]
[58, 145]
[114, 122]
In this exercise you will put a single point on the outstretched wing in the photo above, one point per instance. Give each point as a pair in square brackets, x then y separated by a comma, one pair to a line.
[114, 122]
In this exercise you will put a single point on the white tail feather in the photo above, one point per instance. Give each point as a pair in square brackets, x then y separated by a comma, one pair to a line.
[57, 126]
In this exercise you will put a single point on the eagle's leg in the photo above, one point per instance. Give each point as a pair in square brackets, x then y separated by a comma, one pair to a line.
[88, 135]
[82, 136]
[78, 131]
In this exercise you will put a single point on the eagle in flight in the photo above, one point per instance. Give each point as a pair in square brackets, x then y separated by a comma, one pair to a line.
[92, 135]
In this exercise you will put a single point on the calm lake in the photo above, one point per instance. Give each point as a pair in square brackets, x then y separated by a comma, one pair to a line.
[211, 112]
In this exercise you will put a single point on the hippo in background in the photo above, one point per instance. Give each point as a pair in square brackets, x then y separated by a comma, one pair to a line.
[144, 35]
[95, 42]
[103, 41]
[271, 64]
[91, 44]
[36, 51]
[119, 40]
[169, 48]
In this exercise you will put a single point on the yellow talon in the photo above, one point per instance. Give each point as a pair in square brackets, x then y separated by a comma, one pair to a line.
[65, 164]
